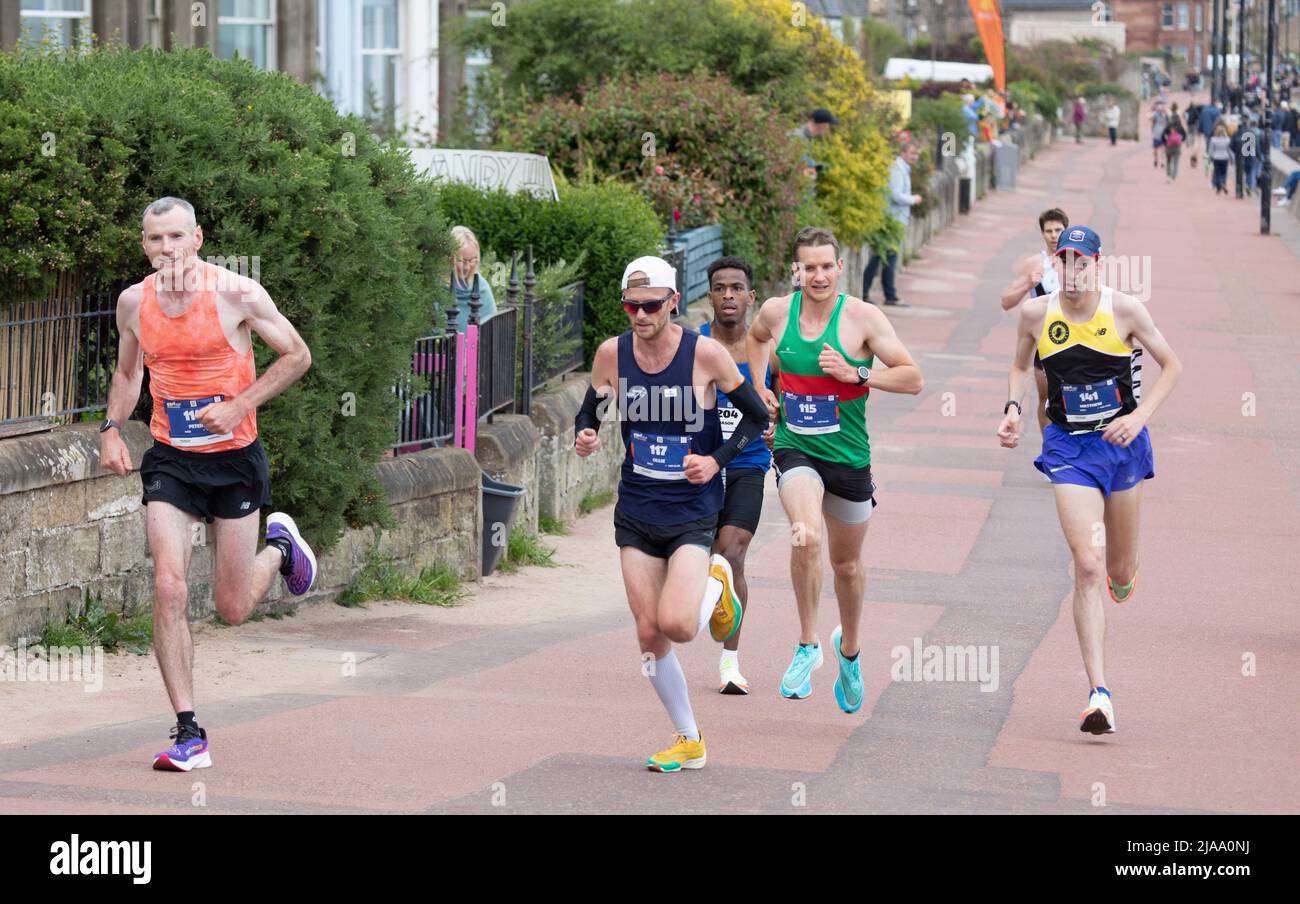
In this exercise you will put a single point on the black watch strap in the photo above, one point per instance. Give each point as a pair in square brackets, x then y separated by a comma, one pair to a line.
[1007, 407]
[109, 424]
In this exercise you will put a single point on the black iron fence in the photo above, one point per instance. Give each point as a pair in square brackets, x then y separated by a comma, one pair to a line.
[56, 356]
[497, 344]
[428, 395]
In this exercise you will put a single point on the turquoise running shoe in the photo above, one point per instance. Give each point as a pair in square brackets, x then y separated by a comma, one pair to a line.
[848, 684]
[797, 682]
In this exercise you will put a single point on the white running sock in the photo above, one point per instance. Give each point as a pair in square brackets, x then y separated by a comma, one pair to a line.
[712, 593]
[731, 656]
[670, 684]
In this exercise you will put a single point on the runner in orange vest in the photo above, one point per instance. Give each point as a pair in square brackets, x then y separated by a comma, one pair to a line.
[191, 324]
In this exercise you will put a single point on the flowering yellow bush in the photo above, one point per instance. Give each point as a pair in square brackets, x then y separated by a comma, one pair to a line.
[857, 154]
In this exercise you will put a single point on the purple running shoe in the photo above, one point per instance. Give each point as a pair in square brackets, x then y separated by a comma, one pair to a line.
[302, 560]
[189, 752]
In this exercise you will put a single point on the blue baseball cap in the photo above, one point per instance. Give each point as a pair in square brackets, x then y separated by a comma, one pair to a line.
[1080, 239]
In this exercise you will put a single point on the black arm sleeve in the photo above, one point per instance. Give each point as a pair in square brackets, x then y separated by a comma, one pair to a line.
[588, 414]
[753, 421]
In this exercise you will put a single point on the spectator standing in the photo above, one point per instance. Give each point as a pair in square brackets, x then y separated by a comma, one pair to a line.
[1080, 114]
[466, 277]
[1283, 121]
[1112, 120]
[899, 208]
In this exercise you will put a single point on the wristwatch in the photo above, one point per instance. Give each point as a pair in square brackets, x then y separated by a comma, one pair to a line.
[109, 424]
[1007, 407]
[864, 373]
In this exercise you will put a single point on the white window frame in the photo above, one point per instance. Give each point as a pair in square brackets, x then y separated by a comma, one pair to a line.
[1184, 17]
[1166, 16]
[60, 14]
[1200, 16]
[477, 59]
[272, 37]
[399, 98]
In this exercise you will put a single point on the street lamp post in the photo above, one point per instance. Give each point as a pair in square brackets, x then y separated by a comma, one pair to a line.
[1266, 167]
[1220, 59]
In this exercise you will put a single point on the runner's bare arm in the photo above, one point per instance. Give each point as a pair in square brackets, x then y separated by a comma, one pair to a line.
[1137, 318]
[127, 377]
[1019, 287]
[1022, 368]
[129, 374]
[760, 345]
[901, 373]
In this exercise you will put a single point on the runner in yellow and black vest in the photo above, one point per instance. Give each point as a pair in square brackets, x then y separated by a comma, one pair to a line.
[822, 451]
[1096, 450]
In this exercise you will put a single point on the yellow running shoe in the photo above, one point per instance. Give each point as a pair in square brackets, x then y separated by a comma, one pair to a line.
[684, 754]
[725, 620]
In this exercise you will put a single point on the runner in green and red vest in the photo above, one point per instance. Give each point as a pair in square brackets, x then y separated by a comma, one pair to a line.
[822, 449]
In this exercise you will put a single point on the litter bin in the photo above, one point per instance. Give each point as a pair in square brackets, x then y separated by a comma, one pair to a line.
[500, 503]
[964, 198]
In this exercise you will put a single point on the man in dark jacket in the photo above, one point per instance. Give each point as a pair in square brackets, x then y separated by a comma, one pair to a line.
[1209, 116]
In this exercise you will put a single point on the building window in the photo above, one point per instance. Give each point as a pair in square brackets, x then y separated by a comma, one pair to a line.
[381, 55]
[1167, 16]
[247, 28]
[65, 22]
[1200, 10]
[1183, 17]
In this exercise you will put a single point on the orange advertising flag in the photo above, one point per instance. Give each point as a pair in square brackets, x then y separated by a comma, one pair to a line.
[988, 21]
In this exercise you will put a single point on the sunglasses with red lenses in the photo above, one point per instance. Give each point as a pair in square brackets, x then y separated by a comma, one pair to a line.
[650, 307]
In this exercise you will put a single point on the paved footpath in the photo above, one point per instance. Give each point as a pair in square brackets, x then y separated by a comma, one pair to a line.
[530, 695]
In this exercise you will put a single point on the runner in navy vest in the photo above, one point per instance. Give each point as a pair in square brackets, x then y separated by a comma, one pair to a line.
[663, 380]
[731, 293]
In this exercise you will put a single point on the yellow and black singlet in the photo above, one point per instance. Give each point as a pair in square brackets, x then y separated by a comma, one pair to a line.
[1089, 368]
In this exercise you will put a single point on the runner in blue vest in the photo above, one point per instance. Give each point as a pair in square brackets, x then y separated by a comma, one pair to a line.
[664, 381]
[731, 292]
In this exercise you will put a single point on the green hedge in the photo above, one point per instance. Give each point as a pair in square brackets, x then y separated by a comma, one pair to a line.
[351, 244]
[608, 221]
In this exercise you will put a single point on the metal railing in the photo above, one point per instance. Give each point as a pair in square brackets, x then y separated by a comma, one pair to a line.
[57, 355]
[570, 331]
[497, 346]
[428, 417]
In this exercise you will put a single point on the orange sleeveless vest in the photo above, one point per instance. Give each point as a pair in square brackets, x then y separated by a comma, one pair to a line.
[190, 362]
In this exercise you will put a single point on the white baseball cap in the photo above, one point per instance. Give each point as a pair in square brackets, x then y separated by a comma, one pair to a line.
[659, 274]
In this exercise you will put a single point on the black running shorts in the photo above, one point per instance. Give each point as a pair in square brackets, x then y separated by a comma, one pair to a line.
[662, 540]
[743, 505]
[208, 485]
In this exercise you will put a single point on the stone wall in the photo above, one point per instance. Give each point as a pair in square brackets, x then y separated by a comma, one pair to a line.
[68, 527]
[564, 479]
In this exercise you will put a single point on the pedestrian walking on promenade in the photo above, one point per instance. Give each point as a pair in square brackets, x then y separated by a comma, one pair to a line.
[1219, 153]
